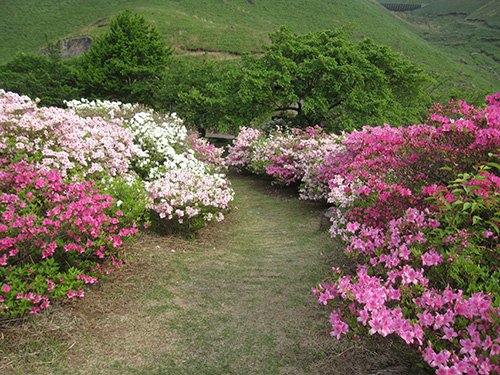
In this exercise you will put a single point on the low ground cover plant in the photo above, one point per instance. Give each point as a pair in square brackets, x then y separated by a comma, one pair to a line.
[77, 184]
[418, 208]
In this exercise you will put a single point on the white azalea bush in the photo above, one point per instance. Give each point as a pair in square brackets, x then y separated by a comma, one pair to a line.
[181, 173]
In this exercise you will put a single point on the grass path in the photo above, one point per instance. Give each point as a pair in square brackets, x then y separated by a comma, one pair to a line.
[236, 300]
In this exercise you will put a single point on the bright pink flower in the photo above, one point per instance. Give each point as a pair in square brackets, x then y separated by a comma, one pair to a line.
[450, 333]
[352, 227]
[71, 294]
[467, 347]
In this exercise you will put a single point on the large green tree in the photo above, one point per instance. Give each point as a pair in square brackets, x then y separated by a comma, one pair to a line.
[326, 78]
[125, 63]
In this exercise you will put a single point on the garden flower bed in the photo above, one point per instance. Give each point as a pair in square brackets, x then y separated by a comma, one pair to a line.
[418, 208]
[78, 183]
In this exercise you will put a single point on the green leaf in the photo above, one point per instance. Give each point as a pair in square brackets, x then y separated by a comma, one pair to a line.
[468, 189]
[492, 164]
[480, 178]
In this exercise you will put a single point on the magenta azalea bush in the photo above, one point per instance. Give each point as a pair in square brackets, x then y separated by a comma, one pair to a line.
[77, 184]
[55, 237]
[418, 209]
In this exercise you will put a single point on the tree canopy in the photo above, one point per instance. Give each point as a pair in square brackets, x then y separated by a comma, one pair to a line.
[321, 78]
[211, 99]
[125, 62]
[45, 77]
[325, 78]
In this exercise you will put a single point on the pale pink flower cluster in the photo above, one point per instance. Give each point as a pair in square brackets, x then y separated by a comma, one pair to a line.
[240, 153]
[315, 186]
[290, 156]
[66, 142]
[207, 153]
[342, 192]
[181, 195]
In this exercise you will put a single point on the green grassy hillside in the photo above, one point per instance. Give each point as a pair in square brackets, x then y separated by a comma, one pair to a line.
[489, 13]
[419, 2]
[467, 30]
[481, 10]
[484, 11]
[234, 26]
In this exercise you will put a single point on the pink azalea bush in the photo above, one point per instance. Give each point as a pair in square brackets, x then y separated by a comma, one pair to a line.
[292, 156]
[418, 208]
[55, 237]
[419, 211]
[207, 153]
[186, 201]
[240, 154]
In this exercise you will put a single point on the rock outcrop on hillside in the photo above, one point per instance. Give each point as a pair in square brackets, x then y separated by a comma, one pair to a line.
[73, 47]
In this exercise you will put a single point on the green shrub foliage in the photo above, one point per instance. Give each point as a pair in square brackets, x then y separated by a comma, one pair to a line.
[45, 77]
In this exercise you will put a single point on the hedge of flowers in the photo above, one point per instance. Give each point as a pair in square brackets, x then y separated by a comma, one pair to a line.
[76, 185]
[418, 208]
[288, 156]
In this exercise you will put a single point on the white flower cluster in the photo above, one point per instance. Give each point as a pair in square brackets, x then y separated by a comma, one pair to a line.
[87, 105]
[179, 185]
[160, 145]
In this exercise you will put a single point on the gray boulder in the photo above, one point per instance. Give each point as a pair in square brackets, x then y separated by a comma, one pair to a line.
[326, 220]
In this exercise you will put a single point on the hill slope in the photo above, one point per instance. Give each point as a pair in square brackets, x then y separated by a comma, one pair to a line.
[484, 10]
[236, 26]
[467, 30]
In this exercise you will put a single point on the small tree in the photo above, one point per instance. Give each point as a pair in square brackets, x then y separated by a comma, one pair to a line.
[325, 78]
[45, 77]
[126, 62]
